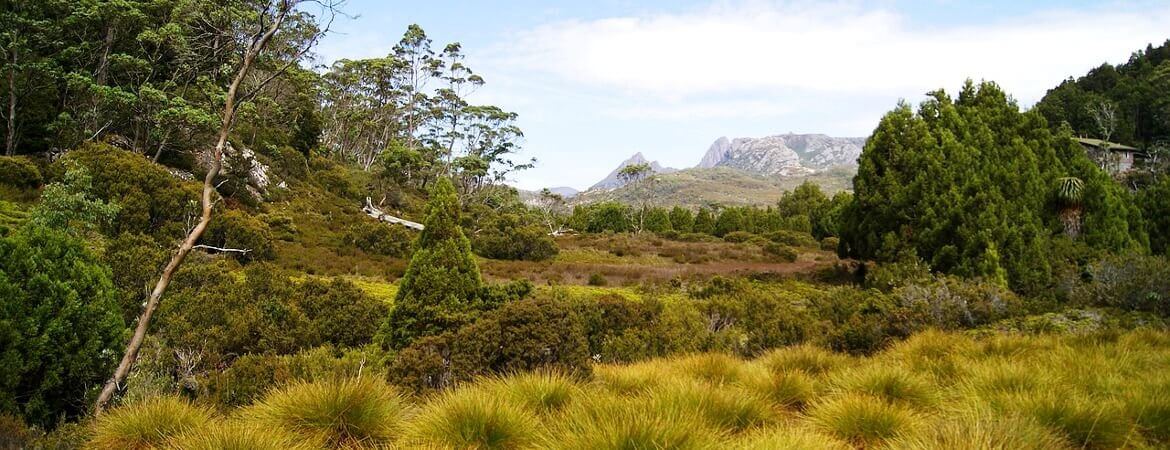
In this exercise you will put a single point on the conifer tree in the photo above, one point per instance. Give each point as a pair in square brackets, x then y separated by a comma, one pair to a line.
[704, 221]
[441, 288]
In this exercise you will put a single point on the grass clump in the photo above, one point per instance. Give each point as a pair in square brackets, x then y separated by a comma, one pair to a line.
[864, 420]
[472, 419]
[237, 437]
[606, 422]
[790, 438]
[147, 424]
[713, 368]
[1084, 423]
[787, 390]
[892, 384]
[541, 393]
[805, 358]
[629, 379]
[1149, 406]
[354, 412]
[723, 408]
[982, 429]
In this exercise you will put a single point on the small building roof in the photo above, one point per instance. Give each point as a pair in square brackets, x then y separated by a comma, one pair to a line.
[1113, 146]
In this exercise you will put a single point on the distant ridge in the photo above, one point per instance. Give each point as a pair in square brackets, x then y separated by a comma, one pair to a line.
[612, 180]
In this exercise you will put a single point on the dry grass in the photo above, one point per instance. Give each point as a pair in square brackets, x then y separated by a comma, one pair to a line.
[938, 390]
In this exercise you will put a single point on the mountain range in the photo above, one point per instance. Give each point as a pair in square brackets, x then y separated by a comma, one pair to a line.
[741, 171]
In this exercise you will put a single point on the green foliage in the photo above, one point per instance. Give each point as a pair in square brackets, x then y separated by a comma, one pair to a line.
[966, 185]
[781, 252]
[704, 221]
[682, 220]
[520, 335]
[67, 205]
[1156, 211]
[507, 238]
[379, 238]
[152, 201]
[60, 327]
[19, 172]
[336, 414]
[252, 375]
[730, 220]
[441, 287]
[219, 314]
[597, 279]
[1129, 282]
[738, 237]
[235, 229]
[1134, 87]
[135, 260]
[147, 425]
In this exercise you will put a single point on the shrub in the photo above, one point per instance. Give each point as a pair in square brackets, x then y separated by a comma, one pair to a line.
[146, 425]
[697, 237]
[508, 239]
[830, 244]
[520, 336]
[220, 314]
[135, 260]
[236, 229]
[440, 289]
[62, 329]
[472, 419]
[781, 252]
[152, 200]
[738, 236]
[19, 172]
[889, 276]
[339, 413]
[792, 238]
[379, 238]
[952, 303]
[597, 279]
[1130, 282]
[863, 420]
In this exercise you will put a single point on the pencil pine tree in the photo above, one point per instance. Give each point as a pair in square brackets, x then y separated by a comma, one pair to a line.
[441, 289]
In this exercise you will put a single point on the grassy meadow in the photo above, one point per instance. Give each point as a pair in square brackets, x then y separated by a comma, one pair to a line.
[934, 390]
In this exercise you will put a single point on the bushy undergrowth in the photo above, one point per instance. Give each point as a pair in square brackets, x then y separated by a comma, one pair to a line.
[1004, 392]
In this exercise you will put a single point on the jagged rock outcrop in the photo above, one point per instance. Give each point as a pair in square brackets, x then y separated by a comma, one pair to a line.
[613, 181]
[783, 155]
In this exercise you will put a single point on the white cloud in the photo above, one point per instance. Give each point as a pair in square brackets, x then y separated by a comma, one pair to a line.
[762, 47]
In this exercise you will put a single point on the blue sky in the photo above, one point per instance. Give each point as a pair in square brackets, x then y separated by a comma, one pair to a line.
[596, 81]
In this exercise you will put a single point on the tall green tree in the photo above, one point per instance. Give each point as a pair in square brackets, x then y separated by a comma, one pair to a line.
[968, 186]
[441, 288]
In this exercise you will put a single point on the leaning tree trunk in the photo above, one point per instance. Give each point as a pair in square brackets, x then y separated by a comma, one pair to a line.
[215, 164]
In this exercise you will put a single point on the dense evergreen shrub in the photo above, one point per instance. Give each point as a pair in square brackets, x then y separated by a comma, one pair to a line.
[19, 172]
[519, 336]
[152, 200]
[781, 252]
[738, 236]
[61, 331]
[442, 284]
[235, 229]
[682, 220]
[379, 238]
[135, 260]
[220, 314]
[508, 238]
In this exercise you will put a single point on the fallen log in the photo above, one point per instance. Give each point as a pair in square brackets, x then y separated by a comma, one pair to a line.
[376, 213]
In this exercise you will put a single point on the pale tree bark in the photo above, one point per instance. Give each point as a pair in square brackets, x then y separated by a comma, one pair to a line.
[281, 12]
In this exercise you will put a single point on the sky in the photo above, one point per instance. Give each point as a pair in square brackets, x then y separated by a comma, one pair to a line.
[596, 81]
